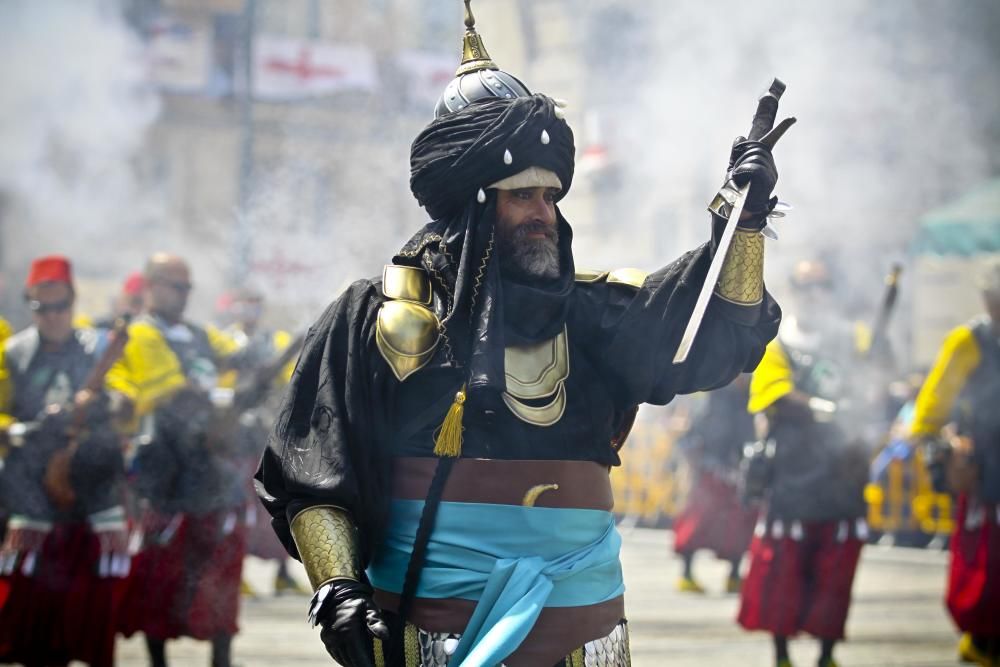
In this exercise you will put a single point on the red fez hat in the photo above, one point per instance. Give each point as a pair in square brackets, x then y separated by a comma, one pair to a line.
[224, 302]
[134, 283]
[51, 269]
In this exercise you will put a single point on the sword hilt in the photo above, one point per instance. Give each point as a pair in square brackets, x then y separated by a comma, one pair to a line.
[767, 111]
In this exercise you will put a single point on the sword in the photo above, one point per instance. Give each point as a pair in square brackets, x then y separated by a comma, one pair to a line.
[764, 130]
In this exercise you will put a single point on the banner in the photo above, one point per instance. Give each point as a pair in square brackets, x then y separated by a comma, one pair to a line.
[290, 69]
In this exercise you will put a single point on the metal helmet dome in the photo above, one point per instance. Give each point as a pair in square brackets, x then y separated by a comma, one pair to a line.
[478, 77]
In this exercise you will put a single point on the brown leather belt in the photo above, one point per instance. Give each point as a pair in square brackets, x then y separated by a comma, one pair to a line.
[565, 484]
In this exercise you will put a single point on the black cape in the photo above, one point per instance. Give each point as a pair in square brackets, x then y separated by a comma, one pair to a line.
[345, 416]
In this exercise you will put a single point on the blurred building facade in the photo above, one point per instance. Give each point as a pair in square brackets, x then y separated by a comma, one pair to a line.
[269, 141]
[281, 148]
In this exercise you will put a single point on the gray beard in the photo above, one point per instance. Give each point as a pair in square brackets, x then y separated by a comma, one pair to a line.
[531, 258]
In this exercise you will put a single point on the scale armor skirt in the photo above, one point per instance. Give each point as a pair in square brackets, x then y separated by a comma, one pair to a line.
[434, 649]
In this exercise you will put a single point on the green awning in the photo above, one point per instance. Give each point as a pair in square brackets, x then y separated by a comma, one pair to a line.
[966, 226]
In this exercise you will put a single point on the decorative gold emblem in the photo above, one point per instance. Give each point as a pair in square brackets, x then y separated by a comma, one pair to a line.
[742, 278]
[532, 495]
[536, 372]
[325, 538]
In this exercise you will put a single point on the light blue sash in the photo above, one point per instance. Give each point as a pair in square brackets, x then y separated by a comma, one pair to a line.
[513, 560]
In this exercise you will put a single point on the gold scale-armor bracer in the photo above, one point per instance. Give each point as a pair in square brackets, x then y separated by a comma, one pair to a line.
[327, 543]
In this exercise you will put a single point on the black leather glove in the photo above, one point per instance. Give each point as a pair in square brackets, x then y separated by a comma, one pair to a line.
[752, 162]
[349, 619]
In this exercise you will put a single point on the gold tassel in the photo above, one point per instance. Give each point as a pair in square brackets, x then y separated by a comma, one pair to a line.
[448, 441]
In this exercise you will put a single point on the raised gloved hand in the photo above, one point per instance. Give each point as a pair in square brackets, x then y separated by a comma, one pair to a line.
[349, 619]
[752, 162]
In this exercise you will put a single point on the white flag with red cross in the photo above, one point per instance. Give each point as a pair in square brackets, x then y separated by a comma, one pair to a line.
[294, 69]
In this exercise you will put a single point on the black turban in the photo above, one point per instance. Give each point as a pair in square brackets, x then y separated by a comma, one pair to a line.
[464, 151]
[450, 161]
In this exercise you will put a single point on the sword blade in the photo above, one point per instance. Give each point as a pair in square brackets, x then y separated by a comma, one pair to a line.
[711, 278]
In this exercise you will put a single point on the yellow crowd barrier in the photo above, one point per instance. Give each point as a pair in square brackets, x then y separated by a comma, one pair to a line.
[652, 481]
[906, 501]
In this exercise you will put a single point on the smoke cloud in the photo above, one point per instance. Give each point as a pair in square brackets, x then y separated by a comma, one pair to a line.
[75, 108]
[896, 105]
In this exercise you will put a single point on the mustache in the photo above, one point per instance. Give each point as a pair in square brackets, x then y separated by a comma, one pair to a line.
[521, 232]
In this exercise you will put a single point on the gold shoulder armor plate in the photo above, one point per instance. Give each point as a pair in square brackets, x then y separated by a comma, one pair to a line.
[590, 276]
[406, 283]
[406, 335]
[631, 277]
[407, 331]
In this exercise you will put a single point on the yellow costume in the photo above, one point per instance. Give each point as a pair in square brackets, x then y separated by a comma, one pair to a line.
[149, 370]
[278, 343]
[958, 358]
[6, 330]
[773, 379]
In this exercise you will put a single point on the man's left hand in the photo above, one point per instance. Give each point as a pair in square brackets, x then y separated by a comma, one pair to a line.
[349, 619]
[752, 162]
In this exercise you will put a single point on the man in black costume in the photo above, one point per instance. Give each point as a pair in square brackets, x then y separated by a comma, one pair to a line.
[440, 463]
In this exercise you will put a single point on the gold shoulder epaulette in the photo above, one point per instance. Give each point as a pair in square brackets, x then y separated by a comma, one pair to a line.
[407, 331]
[590, 276]
[631, 277]
[406, 283]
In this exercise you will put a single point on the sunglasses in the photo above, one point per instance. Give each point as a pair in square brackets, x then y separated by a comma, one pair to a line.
[55, 307]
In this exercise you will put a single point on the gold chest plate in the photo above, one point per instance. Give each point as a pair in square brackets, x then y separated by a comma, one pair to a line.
[537, 372]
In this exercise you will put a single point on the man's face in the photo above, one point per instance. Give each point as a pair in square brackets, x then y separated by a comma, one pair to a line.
[51, 307]
[527, 232]
[168, 290]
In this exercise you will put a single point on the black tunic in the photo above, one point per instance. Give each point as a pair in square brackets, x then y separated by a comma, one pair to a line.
[346, 416]
[821, 467]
